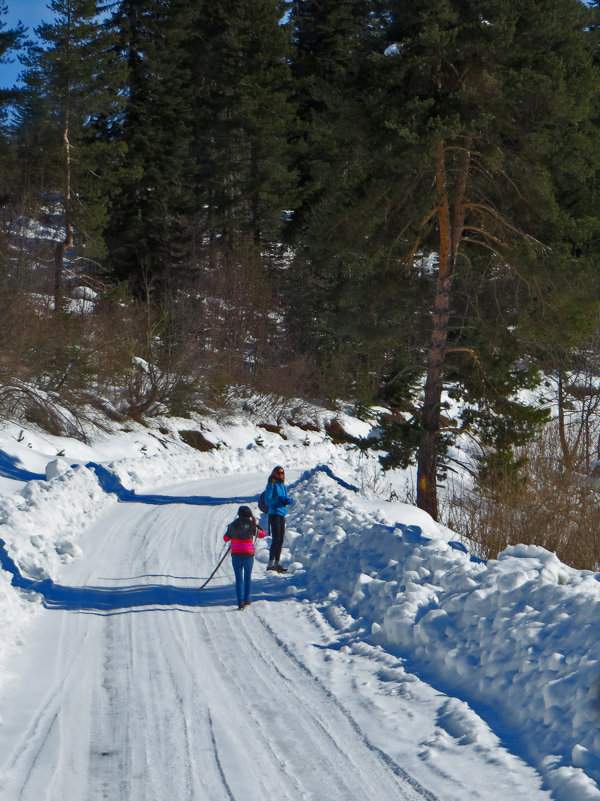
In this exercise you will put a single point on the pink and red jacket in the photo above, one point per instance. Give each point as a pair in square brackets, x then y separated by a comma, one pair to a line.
[242, 542]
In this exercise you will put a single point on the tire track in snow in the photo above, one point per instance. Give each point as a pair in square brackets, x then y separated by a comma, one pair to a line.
[37, 756]
[316, 718]
[110, 732]
[154, 710]
[204, 704]
[222, 680]
[318, 739]
[189, 718]
[218, 761]
[390, 763]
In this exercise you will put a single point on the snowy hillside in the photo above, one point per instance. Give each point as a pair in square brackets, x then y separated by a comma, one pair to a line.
[387, 663]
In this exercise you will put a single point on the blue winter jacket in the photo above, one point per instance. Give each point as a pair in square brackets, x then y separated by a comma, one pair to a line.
[276, 498]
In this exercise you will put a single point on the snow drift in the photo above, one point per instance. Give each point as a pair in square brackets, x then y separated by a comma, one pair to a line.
[515, 636]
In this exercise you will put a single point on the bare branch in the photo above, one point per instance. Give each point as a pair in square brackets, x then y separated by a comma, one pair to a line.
[471, 353]
[496, 215]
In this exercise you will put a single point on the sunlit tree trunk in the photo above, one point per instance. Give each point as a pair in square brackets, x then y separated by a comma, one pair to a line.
[451, 207]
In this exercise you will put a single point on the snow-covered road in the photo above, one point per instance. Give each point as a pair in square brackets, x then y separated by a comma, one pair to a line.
[135, 687]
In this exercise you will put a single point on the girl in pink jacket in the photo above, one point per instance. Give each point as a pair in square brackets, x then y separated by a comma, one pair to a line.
[241, 533]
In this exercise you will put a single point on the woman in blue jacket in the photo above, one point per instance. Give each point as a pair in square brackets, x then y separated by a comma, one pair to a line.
[277, 500]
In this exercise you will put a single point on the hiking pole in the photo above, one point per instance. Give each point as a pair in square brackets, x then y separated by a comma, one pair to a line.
[215, 570]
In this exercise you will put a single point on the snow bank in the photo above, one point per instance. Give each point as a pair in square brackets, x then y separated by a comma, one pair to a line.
[39, 526]
[42, 522]
[246, 449]
[515, 636]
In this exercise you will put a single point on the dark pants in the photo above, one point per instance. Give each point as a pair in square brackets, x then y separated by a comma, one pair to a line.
[242, 568]
[277, 528]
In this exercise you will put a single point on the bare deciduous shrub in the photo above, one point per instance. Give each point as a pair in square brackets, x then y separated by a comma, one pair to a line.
[287, 375]
[23, 402]
[544, 505]
[372, 481]
[144, 361]
[268, 406]
[236, 311]
[89, 359]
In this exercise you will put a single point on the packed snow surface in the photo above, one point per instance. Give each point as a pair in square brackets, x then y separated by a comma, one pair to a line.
[387, 663]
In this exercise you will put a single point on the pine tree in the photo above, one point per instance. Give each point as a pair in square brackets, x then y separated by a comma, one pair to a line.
[459, 175]
[243, 178]
[11, 39]
[242, 123]
[339, 276]
[71, 82]
[497, 91]
[148, 212]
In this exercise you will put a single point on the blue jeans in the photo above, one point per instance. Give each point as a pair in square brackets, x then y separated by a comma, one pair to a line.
[242, 567]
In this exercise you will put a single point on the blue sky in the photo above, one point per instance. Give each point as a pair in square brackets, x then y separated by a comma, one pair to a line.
[30, 13]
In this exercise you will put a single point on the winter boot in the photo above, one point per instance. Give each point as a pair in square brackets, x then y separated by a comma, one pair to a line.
[280, 568]
[271, 565]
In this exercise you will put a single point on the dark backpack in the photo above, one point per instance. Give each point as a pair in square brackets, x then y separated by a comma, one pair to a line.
[241, 529]
[262, 505]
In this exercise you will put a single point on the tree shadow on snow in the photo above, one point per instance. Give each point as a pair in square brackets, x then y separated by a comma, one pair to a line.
[135, 597]
[9, 468]
[111, 483]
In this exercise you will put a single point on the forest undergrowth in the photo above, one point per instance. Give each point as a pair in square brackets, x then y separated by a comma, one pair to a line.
[541, 504]
[122, 359]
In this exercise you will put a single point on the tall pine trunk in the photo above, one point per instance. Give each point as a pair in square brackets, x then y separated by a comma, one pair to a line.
[67, 242]
[62, 247]
[450, 197]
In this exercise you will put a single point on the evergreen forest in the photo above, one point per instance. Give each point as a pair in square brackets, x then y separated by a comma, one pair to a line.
[394, 203]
